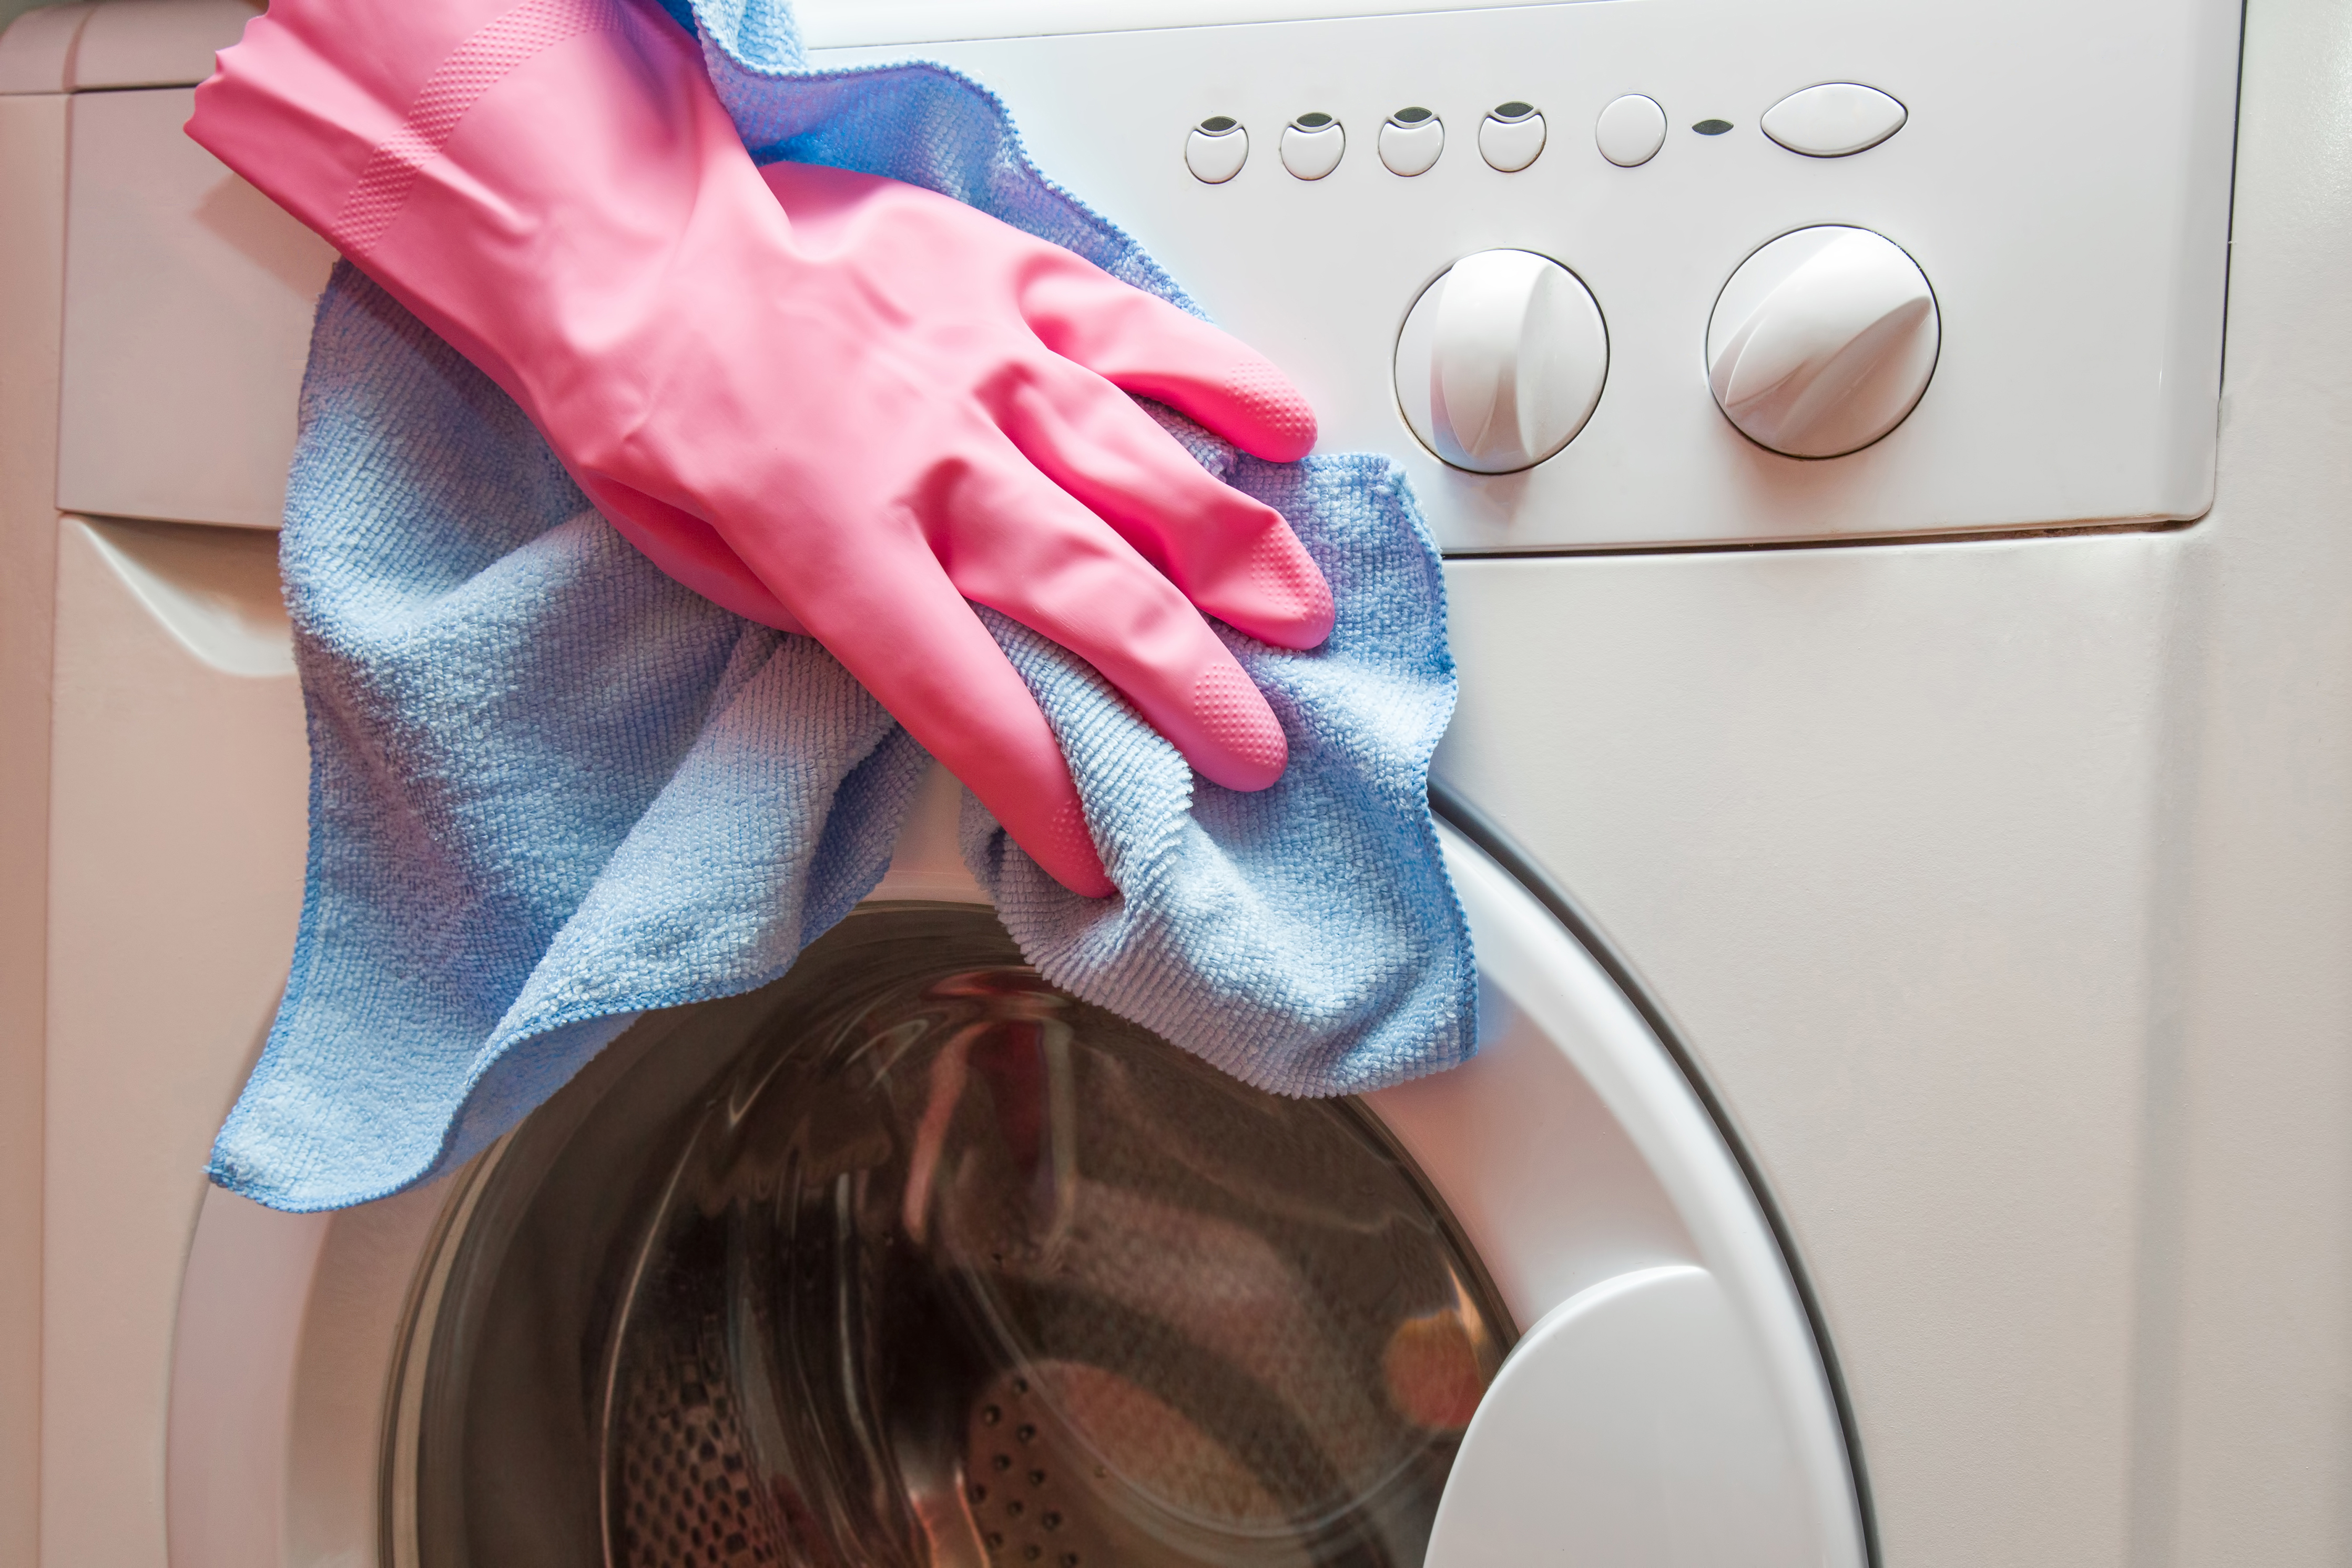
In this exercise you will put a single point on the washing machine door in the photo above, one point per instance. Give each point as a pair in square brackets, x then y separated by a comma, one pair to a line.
[1669, 1404]
[911, 1258]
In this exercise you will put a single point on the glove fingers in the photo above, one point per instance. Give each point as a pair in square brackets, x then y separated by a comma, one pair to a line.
[906, 635]
[1234, 556]
[1019, 544]
[1148, 346]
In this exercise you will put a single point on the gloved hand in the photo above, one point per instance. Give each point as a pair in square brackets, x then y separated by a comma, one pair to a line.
[831, 403]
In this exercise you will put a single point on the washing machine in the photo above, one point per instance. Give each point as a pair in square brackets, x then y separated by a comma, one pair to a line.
[1901, 794]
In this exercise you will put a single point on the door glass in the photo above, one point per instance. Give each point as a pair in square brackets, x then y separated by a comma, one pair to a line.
[942, 1266]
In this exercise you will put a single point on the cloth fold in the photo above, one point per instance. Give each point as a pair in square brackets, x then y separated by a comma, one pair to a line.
[553, 790]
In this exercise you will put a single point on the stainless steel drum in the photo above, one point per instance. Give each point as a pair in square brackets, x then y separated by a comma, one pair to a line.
[913, 1259]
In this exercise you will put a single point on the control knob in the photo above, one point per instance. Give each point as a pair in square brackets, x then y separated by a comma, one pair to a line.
[1822, 342]
[1501, 361]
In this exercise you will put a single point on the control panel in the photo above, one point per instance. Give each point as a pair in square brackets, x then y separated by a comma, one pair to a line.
[1681, 272]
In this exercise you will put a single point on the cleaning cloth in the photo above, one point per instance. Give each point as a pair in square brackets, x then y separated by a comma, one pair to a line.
[553, 790]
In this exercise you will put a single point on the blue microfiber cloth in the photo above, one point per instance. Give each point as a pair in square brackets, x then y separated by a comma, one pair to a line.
[551, 790]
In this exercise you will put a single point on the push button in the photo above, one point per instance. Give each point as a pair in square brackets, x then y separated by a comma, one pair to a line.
[1631, 131]
[1410, 141]
[1834, 120]
[1311, 145]
[1217, 150]
[1511, 136]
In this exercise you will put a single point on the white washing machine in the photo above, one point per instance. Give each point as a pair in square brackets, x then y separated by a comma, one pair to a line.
[1913, 887]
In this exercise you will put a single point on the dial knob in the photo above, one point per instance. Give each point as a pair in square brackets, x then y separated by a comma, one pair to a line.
[1501, 361]
[1822, 342]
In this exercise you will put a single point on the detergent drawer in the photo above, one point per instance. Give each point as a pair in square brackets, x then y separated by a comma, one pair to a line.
[187, 321]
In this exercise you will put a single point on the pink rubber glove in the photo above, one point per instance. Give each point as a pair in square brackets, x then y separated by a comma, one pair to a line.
[831, 403]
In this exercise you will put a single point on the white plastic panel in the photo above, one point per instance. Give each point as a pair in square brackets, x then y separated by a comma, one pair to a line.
[188, 303]
[106, 43]
[2081, 292]
[219, 597]
[1495, 1136]
[2068, 201]
[1885, 830]
[1631, 1429]
[176, 876]
[242, 1304]
[831, 23]
[156, 43]
[36, 49]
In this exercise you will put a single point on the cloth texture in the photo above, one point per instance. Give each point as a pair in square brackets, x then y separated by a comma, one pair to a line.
[553, 790]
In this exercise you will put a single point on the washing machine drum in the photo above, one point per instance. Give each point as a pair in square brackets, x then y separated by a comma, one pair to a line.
[914, 1260]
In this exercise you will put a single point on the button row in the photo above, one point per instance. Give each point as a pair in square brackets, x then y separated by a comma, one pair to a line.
[1410, 142]
[1834, 120]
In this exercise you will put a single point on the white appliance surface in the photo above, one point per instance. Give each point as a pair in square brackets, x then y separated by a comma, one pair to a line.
[1619, 1230]
[2068, 200]
[2068, 204]
[2001, 889]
